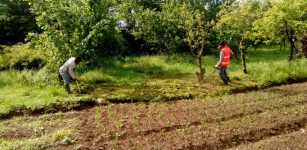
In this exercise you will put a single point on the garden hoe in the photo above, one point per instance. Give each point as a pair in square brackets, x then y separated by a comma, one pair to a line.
[78, 86]
[213, 71]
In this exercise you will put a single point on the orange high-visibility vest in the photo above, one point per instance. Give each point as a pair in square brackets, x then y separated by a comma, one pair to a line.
[226, 58]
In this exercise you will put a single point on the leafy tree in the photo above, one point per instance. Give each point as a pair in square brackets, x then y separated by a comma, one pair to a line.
[75, 27]
[15, 21]
[157, 26]
[194, 24]
[236, 25]
[286, 18]
[211, 8]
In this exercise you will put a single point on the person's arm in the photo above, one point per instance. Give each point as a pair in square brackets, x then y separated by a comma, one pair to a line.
[71, 71]
[231, 52]
[221, 58]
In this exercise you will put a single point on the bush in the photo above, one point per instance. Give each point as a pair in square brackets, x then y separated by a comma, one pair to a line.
[20, 57]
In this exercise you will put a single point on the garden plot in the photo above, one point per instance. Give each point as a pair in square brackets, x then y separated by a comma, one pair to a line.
[242, 120]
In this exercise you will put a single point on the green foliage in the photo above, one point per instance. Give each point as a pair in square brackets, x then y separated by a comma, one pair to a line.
[61, 134]
[195, 25]
[282, 14]
[20, 57]
[159, 27]
[74, 28]
[15, 21]
[163, 26]
[235, 21]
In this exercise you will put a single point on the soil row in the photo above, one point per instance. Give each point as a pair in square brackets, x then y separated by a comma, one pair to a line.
[211, 124]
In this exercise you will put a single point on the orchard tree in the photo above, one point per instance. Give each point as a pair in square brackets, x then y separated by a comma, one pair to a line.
[285, 18]
[74, 27]
[235, 24]
[194, 24]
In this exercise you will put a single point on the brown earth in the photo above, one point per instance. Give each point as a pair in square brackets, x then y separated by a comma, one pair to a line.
[275, 118]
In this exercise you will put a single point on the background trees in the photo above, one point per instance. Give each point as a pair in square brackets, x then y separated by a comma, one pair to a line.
[284, 18]
[96, 28]
[15, 21]
[235, 25]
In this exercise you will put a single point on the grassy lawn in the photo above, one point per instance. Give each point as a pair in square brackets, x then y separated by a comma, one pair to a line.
[144, 78]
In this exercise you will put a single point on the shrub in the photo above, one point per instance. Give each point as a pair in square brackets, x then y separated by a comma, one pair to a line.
[20, 57]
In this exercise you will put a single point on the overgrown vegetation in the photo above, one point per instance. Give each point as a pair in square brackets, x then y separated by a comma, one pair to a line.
[143, 78]
[20, 57]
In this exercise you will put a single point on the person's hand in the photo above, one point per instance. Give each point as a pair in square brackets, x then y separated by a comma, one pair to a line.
[216, 66]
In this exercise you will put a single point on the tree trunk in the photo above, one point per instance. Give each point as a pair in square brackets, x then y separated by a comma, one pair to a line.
[304, 46]
[200, 74]
[290, 33]
[284, 40]
[242, 51]
[291, 50]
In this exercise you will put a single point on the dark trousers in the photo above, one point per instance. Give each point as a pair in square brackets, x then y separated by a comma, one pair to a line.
[223, 75]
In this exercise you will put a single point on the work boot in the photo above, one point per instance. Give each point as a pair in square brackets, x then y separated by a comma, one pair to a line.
[225, 82]
[228, 79]
[67, 88]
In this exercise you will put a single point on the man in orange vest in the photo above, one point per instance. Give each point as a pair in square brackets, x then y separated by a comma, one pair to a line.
[224, 62]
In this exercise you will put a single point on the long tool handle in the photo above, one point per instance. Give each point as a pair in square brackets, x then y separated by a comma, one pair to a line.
[78, 86]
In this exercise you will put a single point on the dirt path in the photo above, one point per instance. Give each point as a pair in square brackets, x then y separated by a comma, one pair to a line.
[247, 120]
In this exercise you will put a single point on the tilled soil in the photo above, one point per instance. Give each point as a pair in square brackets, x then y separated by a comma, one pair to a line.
[254, 120]
[294, 140]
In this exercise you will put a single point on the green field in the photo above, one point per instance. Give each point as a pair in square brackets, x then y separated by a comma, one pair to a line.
[143, 78]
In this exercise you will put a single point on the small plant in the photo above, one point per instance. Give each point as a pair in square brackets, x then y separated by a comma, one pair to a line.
[60, 134]
[67, 140]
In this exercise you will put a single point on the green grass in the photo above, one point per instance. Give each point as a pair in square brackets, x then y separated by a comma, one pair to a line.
[271, 65]
[34, 98]
[138, 68]
[150, 78]
[32, 90]
[267, 64]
